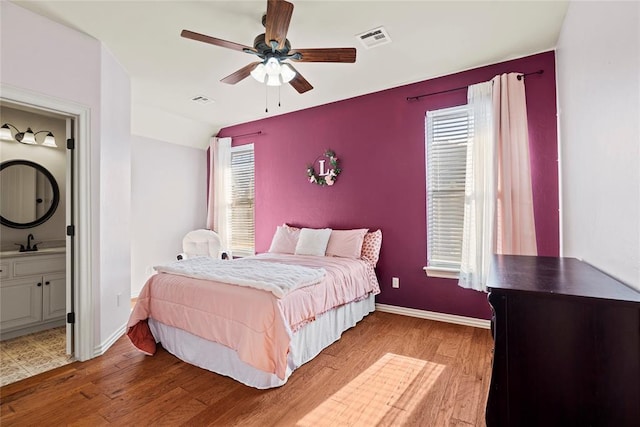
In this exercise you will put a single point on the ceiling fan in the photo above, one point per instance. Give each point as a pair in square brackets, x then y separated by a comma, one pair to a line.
[273, 49]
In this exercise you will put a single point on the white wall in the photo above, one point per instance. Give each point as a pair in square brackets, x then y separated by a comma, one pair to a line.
[168, 199]
[115, 196]
[598, 73]
[156, 123]
[44, 57]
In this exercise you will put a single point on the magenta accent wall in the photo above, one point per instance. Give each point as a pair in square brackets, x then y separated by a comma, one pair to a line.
[379, 139]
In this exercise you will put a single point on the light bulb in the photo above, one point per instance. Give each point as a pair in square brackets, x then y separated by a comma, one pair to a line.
[273, 67]
[50, 141]
[5, 133]
[28, 137]
[287, 73]
[259, 73]
[273, 80]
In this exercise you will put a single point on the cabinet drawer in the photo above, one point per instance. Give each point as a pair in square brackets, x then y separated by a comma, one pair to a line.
[44, 264]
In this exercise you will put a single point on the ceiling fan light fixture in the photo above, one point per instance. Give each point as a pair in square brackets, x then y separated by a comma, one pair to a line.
[259, 73]
[273, 73]
[273, 48]
[287, 73]
[273, 80]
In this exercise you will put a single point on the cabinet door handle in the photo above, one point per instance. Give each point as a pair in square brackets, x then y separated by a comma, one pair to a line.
[46, 283]
[39, 284]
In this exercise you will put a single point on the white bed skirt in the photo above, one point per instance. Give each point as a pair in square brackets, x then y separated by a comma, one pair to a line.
[306, 344]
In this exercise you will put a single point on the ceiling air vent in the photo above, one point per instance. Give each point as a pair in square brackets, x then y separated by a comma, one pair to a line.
[201, 99]
[375, 37]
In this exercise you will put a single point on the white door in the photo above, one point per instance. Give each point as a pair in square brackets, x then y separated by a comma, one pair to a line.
[70, 244]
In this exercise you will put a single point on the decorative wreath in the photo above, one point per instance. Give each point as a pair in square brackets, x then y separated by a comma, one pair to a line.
[329, 176]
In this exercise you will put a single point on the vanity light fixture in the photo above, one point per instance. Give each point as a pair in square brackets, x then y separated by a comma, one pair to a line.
[26, 137]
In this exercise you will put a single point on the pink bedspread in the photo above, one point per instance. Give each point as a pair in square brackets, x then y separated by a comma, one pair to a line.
[256, 324]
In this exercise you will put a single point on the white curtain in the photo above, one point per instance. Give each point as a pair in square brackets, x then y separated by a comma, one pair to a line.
[218, 210]
[498, 216]
[480, 190]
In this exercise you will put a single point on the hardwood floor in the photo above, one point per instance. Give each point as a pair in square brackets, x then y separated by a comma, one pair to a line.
[389, 370]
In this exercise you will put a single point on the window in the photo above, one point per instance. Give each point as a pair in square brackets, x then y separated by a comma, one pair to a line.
[242, 201]
[447, 133]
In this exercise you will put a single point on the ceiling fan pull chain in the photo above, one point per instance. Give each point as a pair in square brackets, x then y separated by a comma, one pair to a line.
[279, 95]
[266, 99]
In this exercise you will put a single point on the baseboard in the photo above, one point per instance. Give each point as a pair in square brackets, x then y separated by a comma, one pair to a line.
[4, 335]
[432, 315]
[99, 350]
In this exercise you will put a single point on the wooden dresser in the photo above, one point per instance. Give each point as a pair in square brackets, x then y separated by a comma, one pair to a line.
[567, 345]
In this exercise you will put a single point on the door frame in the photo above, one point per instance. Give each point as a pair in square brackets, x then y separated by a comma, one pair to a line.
[82, 196]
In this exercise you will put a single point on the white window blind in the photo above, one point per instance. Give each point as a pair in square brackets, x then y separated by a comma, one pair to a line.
[242, 193]
[447, 134]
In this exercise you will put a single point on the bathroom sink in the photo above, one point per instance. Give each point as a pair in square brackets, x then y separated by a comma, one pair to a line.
[16, 252]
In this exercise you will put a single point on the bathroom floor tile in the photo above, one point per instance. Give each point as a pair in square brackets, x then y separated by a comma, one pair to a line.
[32, 354]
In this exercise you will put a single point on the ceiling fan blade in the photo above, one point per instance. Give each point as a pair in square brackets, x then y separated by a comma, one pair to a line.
[277, 21]
[339, 54]
[241, 74]
[299, 83]
[215, 41]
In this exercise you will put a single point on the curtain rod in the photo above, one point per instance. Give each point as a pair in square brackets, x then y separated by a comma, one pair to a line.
[245, 134]
[411, 98]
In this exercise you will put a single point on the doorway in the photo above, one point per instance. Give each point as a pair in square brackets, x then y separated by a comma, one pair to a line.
[36, 198]
[78, 180]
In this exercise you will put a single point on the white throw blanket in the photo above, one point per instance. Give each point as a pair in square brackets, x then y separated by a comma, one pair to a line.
[279, 279]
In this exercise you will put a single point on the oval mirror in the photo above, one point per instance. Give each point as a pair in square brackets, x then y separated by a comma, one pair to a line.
[29, 194]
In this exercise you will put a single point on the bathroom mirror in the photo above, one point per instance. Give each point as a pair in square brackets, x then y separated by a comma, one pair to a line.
[29, 194]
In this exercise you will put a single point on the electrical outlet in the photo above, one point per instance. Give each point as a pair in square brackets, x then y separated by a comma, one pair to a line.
[395, 282]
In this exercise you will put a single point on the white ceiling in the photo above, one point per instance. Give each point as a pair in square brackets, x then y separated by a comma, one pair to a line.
[429, 39]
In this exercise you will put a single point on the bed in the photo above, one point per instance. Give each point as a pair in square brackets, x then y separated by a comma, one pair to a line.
[259, 325]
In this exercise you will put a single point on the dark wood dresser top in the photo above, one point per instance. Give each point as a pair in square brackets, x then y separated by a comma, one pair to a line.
[561, 276]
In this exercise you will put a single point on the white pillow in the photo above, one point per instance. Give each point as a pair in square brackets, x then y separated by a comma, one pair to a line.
[313, 241]
[284, 240]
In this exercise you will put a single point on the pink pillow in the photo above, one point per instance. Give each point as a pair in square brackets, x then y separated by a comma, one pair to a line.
[371, 247]
[346, 243]
[284, 240]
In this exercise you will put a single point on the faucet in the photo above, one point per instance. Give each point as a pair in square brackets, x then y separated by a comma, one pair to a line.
[29, 248]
